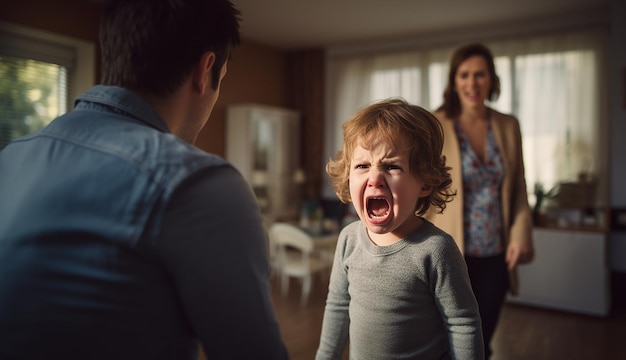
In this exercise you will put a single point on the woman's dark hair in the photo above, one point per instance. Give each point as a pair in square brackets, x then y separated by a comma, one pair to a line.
[152, 45]
[451, 103]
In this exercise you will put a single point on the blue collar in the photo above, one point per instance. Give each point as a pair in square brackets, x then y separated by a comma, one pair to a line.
[121, 100]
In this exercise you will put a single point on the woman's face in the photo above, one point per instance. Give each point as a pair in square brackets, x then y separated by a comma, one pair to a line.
[383, 191]
[472, 82]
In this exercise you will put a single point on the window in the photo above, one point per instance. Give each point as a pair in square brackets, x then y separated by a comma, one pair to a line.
[40, 75]
[33, 93]
[552, 84]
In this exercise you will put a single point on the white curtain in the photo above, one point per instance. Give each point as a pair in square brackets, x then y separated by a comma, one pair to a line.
[553, 84]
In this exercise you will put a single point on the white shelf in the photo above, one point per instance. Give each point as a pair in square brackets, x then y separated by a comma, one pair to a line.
[263, 143]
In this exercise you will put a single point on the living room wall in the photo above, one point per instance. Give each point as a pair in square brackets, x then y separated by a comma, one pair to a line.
[256, 73]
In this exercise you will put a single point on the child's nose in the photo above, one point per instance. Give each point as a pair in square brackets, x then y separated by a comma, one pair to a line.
[376, 178]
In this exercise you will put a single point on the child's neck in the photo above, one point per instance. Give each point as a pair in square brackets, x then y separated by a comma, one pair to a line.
[392, 237]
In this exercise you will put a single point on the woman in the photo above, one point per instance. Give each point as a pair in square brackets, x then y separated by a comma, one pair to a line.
[490, 219]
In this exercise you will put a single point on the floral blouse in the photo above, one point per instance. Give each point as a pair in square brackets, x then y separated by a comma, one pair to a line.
[481, 203]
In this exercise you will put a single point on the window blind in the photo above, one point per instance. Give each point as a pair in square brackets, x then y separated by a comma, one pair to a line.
[32, 93]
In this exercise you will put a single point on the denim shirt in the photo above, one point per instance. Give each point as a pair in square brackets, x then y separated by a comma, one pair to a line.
[109, 163]
[81, 201]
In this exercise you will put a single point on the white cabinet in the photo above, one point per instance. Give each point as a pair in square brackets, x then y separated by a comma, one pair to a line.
[263, 143]
[570, 272]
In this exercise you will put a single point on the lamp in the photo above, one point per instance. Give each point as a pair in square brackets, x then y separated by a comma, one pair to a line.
[299, 177]
[259, 178]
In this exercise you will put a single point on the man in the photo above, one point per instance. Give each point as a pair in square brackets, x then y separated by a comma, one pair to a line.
[118, 238]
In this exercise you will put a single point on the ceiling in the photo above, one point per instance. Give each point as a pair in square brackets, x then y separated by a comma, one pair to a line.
[293, 24]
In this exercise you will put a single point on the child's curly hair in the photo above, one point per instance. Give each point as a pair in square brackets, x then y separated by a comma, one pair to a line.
[387, 120]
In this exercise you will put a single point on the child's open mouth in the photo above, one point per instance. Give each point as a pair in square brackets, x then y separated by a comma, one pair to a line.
[377, 208]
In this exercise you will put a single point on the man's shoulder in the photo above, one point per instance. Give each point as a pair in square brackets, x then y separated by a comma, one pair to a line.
[176, 149]
[113, 138]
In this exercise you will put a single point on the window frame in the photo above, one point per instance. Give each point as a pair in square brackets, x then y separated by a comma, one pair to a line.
[440, 53]
[77, 55]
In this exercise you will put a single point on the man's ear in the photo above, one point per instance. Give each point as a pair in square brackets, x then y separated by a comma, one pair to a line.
[201, 75]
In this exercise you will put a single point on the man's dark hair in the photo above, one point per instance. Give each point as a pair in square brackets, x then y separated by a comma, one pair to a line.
[152, 45]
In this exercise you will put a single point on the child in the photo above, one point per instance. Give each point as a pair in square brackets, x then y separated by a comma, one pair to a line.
[399, 287]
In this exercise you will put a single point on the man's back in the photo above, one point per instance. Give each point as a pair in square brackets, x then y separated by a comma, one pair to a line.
[118, 238]
[83, 270]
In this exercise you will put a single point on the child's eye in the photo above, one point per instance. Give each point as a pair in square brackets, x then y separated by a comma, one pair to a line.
[393, 167]
[360, 166]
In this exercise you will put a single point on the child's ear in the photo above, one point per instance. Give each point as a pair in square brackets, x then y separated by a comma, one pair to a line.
[426, 190]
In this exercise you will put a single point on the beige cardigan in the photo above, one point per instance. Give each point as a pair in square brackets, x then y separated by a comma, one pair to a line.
[516, 215]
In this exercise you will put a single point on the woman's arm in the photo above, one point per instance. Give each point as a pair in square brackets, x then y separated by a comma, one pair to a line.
[520, 247]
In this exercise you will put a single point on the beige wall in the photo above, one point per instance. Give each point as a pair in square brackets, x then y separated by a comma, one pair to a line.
[256, 73]
[81, 22]
[53, 16]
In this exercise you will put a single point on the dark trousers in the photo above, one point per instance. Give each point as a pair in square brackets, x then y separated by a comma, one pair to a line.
[490, 282]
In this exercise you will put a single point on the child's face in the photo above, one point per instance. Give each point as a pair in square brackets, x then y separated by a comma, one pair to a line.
[383, 191]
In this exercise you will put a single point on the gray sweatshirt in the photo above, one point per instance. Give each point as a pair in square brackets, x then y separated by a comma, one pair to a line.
[408, 300]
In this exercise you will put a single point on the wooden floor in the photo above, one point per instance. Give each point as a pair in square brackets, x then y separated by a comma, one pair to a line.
[523, 332]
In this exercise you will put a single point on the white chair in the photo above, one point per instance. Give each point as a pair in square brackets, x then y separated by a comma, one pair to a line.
[272, 251]
[296, 257]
